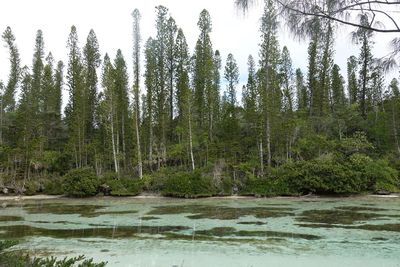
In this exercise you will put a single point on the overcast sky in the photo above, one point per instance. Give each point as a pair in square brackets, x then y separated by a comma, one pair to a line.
[112, 23]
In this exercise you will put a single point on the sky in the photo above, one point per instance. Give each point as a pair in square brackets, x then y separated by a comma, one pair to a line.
[232, 32]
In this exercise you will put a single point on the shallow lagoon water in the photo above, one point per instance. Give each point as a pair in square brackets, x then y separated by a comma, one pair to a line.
[363, 231]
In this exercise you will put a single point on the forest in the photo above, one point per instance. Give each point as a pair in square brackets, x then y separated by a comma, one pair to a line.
[181, 128]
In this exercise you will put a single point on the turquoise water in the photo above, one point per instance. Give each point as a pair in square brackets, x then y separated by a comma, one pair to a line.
[162, 232]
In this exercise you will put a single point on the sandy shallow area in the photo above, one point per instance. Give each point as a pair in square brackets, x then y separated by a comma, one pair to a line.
[35, 197]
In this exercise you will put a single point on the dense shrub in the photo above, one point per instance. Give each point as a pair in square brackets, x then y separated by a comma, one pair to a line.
[31, 187]
[328, 174]
[321, 176]
[53, 186]
[188, 185]
[44, 185]
[226, 185]
[378, 174]
[267, 187]
[125, 187]
[81, 182]
[157, 180]
[120, 186]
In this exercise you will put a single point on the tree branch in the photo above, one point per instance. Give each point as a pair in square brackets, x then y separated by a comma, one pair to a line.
[330, 17]
[382, 12]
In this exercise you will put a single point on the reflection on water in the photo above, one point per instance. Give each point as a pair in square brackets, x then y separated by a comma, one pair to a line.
[211, 232]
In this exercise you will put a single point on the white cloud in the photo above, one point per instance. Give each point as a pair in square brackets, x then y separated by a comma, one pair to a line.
[112, 22]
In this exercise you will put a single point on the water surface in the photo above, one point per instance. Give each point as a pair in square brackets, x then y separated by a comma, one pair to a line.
[327, 232]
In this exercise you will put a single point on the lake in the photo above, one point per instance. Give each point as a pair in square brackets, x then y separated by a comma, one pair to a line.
[361, 231]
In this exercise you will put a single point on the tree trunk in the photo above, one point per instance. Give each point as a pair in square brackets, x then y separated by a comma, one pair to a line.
[150, 143]
[113, 137]
[76, 157]
[287, 149]
[261, 157]
[190, 141]
[139, 154]
[364, 83]
[79, 147]
[113, 147]
[171, 92]
[268, 136]
[123, 141]
[164, 143]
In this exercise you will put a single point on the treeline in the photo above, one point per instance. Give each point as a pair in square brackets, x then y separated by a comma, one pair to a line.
[186, 122]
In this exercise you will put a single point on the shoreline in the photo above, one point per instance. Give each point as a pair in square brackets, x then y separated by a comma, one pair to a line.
[159, 196]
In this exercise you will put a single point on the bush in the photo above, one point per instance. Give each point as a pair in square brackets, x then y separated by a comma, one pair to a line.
[384, 177]
[188, 185]
[157, 180]
[53, 186]
[125, 186]
[323, 176]
[32, 187]
[267, 187]
[225, 188]
[81, 182]
[326, 175]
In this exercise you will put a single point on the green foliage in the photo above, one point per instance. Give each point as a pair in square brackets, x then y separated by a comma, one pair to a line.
[53, 186]
[78, 261]
[7, 244]
[32, 187]
[327, 175]
[18, 259]
[378, 174]
[309, 147]
[121, 186]
[265, 188]
[53, 161]
[81, 182]
[358, 143]
[188, 185]
[321, 176]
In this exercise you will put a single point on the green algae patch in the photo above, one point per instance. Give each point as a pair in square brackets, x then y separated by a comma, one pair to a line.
[197, 237]
[230, 234]
[22, 231]
[379, 239]
[320, 225]
[60, 208]
[149, 218]
[56, 222]
[112, 212]
[369, 227]
[230, 231]
[358, 208]
[218, 231]
[225, 239]
[82, 210]
[274, 204]
[11, 218]
[391, 227]
[228, 213]
[177, 209]
[252, 223]
[222, 212]
[336, 216]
